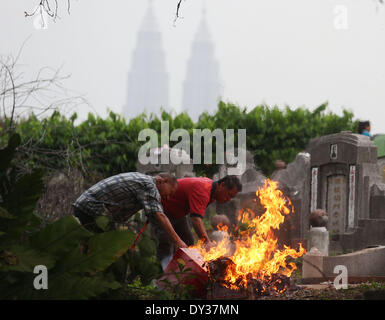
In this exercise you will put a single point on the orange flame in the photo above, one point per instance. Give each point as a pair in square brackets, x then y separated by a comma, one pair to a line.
[256, 253]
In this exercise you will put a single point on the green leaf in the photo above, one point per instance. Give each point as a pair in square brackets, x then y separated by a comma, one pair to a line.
[106, 248]
[20, 200]
[23, 259]
[103, 249]
[14, 141]
[60, 237]
[6, 154]
[74, 287]
[5, 214]
[149, 268]
[34, 223]
[147, 246]
[102, 222]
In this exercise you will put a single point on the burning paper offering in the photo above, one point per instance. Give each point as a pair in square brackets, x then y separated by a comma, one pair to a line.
[251, 257]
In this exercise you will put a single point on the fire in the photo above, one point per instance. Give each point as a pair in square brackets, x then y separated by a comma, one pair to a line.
[254, 253]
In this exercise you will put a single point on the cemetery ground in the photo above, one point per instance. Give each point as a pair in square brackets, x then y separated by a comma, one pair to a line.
[370, 290]
[362, 291]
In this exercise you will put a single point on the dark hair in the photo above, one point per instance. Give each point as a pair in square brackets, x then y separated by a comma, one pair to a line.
[318, 218]
[231, 182]
[170, 177]
[362, 126]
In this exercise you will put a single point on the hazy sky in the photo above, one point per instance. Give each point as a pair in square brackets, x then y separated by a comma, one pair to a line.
[269, 51]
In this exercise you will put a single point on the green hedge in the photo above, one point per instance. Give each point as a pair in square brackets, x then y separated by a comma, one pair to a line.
[110, 146]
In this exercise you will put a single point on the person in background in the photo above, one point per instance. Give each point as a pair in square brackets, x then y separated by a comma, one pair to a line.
[123, 195]
[364, 128]
[279, 165]
[221, 226]
[190, 200]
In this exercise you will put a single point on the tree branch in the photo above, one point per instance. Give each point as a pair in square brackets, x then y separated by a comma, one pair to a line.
[177, 10]
[49, 7]
[43, 93]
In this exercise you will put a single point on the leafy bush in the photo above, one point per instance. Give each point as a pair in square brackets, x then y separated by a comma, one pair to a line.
[75, 258]
[81, 265]
[104, 147]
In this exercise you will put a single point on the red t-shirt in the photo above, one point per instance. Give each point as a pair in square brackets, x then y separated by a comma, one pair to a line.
[192, 196]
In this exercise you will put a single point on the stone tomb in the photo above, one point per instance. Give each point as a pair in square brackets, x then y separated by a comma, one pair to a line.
[343, 181]
[363, 265]
[251, 180]
[294, 182]
[379, 141]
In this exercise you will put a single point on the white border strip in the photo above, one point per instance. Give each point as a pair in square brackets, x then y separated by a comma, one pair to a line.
[352, 195]
[314, 189]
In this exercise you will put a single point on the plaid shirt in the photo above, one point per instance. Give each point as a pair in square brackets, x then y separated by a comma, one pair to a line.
[121, 196]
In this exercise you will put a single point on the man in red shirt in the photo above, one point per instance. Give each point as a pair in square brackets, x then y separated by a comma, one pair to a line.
[191, 198]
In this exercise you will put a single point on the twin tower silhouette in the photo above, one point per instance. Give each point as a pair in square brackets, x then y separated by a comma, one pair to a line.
[148, 80]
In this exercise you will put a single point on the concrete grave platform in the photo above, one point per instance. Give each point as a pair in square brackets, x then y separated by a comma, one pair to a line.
[364, 264]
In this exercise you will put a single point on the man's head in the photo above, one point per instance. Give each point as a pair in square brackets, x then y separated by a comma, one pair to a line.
[227, 188]
[318, 218]
[279, 165]
[166, 184]
[363, 125]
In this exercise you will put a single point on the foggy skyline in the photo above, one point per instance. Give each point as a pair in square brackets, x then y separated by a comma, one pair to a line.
[148, 80]
[277, 52]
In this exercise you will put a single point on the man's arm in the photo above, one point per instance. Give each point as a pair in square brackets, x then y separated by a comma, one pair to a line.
[200, 228]
[150, 199]
[167, 226]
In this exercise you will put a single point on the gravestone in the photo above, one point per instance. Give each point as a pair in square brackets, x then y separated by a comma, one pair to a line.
[336, 203]
[381, 166]
[377, 201]
[294, 181]
[343, 176]
[251, 180]
[379, 141]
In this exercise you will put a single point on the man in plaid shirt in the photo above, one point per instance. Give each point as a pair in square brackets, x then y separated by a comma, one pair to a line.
[122, 195]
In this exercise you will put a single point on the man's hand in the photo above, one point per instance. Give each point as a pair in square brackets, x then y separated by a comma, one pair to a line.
[200, 229]
[167, 226]
[209, 245]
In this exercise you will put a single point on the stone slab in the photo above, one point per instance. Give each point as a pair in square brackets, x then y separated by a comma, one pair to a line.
[364, 263]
